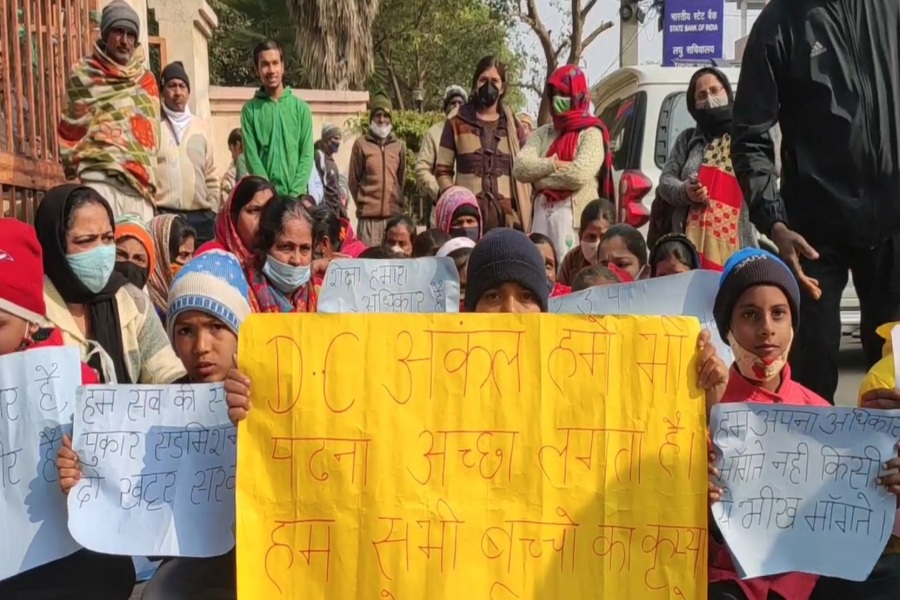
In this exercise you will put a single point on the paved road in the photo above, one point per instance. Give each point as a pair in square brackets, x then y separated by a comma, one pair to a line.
[853, 368]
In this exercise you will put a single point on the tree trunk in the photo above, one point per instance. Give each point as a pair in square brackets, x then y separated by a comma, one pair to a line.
[395, 83]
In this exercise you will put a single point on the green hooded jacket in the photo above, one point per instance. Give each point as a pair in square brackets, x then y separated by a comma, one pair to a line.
[278, 140]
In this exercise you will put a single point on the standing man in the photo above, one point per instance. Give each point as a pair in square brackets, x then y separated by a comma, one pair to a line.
[188, 185]
[811, 67]
[238, 166]
[277, 127]
[327, 168]
[426, 159]
[377, 174]
[109, 130]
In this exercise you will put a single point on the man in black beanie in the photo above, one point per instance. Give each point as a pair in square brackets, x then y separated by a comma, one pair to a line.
[506, 275]
[188, 183]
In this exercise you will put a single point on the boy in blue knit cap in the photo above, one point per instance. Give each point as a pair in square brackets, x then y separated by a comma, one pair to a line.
[207, 304]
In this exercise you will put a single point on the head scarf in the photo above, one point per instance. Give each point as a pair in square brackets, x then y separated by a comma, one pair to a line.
[131, 226]
[571, 82]
[680, 238]
[226, 221]
[103, 312]
[266, 298]
[161, 276]
[716, 121]
[453, 198]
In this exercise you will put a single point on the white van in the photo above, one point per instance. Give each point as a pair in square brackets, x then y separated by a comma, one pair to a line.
[644, 109]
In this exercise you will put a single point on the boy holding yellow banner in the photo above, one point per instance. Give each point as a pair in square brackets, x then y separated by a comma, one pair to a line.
[504, 456]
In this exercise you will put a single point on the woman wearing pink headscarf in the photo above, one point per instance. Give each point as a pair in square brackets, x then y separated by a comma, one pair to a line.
[457, 213]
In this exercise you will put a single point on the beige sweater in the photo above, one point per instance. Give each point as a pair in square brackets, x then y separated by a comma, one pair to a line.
[426, 160]
[148, 353]
[535, 167]
[186, 174]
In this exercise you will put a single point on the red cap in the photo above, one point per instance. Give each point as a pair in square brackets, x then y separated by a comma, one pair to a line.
[21, 271]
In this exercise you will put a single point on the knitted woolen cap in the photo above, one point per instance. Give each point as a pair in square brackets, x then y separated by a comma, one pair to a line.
[454, 91]
[506, 256]
[329, 131]
[119, 13]
[21, 271]
[212, 283]
[467, 210]
[175, 70]
[745, 269]
[380, 102]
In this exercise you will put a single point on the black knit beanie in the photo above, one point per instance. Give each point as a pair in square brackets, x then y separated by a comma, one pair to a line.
[175, 70]
[506, 256]
[679, 238]
[745, 269]
[466, 210]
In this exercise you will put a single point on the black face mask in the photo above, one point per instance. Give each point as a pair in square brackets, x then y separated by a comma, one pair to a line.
[136, 276]
[487, 95]
[467, 232]
[714, 121]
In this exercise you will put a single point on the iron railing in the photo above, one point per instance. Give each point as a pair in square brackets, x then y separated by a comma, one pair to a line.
[40, 40]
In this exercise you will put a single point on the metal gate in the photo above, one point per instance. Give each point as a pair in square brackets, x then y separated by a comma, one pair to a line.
[40, 40]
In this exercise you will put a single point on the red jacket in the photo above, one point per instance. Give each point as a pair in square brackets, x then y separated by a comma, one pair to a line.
[45, 338]
[790, 586]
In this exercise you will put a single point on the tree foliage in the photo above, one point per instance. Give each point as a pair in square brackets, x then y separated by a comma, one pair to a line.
[429, 44]
[336, 37]
[566, 47]
[242, 25]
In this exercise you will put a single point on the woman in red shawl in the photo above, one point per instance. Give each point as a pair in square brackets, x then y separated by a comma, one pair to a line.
[280, 271]
[237, 224]
[567, 161]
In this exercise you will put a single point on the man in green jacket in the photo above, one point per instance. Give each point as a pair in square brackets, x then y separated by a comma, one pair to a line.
[277, 127]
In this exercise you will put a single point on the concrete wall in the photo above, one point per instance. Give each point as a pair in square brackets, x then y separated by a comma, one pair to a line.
[337, 108]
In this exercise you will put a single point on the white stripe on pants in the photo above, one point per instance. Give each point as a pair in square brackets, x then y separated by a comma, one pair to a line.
[557, 221]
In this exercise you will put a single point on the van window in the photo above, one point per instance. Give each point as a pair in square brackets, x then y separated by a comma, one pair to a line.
[673, 119]
[620, 118]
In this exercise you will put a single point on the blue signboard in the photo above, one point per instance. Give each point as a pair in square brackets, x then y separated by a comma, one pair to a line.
[693, 32]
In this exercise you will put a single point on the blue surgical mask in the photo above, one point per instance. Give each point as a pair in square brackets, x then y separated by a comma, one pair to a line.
[94, 267]
[285, 277]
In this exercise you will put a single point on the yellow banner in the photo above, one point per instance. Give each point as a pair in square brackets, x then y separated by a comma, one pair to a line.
[471, 457]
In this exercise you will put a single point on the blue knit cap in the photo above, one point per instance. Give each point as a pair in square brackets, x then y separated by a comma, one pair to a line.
[748, 268]
[213, 283]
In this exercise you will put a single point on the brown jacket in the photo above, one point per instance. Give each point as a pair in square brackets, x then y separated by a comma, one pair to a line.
[377, 174]
[484, 166]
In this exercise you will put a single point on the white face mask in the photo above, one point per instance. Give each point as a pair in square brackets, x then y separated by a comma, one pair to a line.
[381, 131]
[713, 102]
[589, 250]
[398, 250]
